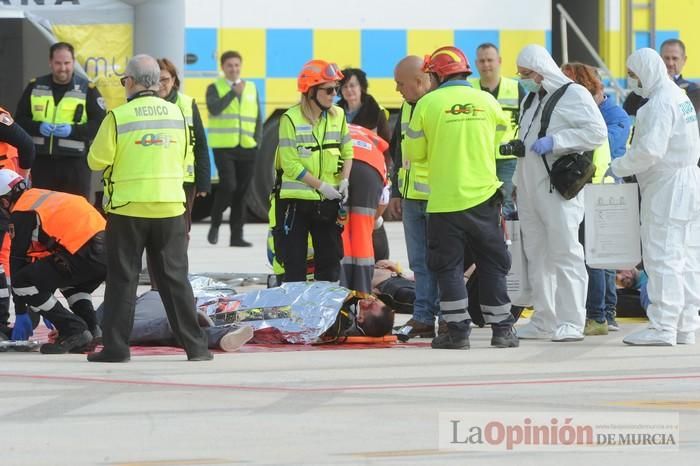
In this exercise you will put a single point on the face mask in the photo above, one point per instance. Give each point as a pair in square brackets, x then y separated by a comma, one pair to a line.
[638, 87]
[530, 85]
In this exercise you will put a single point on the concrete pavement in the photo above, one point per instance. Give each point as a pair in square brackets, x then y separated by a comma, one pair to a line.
[350, 407]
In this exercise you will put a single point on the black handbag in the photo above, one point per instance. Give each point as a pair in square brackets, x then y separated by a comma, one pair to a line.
[570, 172]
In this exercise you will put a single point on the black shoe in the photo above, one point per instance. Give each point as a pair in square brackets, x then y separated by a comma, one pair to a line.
[504, 337]
[456, 337]
[213, 235]
[202, 357]
[65, 344]
[239, 243]
[103, 356]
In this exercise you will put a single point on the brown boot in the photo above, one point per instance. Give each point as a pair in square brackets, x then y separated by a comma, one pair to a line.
[417, 329]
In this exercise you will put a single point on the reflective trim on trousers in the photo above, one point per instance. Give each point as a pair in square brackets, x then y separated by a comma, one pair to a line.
[46, 305]
[25, 291]
[495, 314]
[72, 299]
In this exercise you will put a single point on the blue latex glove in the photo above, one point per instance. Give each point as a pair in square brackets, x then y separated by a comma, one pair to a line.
[48, 323]
[46, 129]
[23, 328]
[543, 145]
[62, 131]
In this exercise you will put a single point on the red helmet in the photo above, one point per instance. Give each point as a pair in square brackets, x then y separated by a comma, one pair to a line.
[447, 61]
[317, 72]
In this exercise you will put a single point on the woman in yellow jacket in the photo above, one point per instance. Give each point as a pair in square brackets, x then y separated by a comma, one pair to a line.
[314, 158]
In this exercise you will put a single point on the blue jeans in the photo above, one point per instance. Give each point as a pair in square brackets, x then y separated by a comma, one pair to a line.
[505, 168]
[415, 222]
[610, 296]
[602, 295]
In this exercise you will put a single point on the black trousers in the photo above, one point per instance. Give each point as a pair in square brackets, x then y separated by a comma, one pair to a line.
[76, 275]
[66, 174]
[236, 169]
[165, 240]
[477, 230]
[296, 219]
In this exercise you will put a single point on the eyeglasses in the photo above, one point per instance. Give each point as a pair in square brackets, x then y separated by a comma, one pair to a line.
[123, 79]
[526, 74]
[329, 90]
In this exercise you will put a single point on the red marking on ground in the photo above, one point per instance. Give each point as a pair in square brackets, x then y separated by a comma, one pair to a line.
[351, 388]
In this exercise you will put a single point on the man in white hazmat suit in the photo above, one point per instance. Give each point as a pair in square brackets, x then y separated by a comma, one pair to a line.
[664, 156]
[549, 222]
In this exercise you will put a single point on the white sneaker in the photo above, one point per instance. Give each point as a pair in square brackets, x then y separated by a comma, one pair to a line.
[531, 332]
[232, 341]
[685, 338]
[650, 337]
[567, 332]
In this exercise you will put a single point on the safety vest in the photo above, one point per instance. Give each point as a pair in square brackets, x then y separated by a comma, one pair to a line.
[369, 148]
[57, 214]
[185, 103]
[319, 153]
[8, 153]
[152, 138]
[412, 177]
[508, 98]
[601, 161]
[452, 128]
[235, 126]
[71, 110]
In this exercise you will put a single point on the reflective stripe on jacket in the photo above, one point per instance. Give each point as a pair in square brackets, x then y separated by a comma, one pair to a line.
[68, 219]
[236, 124]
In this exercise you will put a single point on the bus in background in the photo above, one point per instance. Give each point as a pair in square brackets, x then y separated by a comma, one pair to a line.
[276, 38]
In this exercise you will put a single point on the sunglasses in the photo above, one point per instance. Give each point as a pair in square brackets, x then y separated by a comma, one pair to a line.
[123, 79]
[330, 90]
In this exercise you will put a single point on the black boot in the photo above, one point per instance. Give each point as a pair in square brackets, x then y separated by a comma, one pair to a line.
[457, 336]
[103, 356]
[72, 330]
[504, 335]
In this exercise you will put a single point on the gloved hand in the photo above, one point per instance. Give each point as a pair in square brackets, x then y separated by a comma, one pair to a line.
[46, 129]
[343, 189]
[23, 327]
[62, 131]
[543, 145]
[378, 222]
[48, 324]
[328, 191]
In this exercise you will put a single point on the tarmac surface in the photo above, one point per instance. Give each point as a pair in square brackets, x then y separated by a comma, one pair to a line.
[345, 406]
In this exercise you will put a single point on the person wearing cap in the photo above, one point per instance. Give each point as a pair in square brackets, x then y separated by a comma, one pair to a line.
[313, 163]
[456, 129]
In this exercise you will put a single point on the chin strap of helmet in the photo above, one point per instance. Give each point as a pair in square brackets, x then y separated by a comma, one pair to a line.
[313, 94]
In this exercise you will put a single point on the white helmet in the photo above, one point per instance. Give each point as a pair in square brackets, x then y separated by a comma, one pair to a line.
[8, 180]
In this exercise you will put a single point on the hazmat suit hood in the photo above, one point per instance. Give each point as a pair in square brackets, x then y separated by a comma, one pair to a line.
[649, 68]
[537, 58]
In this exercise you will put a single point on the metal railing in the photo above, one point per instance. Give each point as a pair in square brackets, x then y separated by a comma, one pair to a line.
[567, 21]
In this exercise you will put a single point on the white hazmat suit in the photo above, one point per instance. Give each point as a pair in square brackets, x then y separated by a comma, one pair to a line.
[664, 156]
[549, 223]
